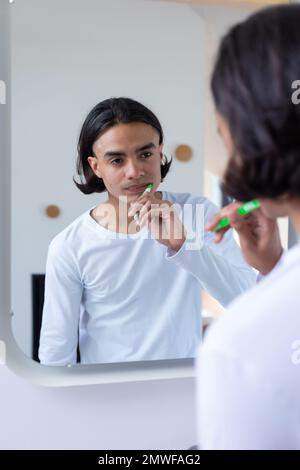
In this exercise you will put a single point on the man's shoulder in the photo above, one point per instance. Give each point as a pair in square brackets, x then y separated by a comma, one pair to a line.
[258, 318]
[69, 236]
[186, 198]
[201, 206]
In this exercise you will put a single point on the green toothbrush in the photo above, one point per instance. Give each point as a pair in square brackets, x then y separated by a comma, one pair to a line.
[243, 210]
[147, 190]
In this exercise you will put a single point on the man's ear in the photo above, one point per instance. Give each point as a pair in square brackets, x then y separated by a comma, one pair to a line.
[160, 148]
[94, 165]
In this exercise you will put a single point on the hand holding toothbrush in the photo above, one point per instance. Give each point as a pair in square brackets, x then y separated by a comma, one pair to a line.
[259, 235]
[160, 217]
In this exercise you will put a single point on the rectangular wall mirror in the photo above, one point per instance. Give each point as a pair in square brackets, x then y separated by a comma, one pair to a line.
[132, 300]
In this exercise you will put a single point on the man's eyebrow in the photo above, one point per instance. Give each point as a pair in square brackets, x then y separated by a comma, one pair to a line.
[113, 153]
[149, 146]
[118, 153]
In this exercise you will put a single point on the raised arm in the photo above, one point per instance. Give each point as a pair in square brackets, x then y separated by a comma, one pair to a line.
[220, 268]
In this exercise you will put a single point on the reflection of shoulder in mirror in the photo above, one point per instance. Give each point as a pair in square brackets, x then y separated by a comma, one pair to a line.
[183, 198]
[70, 235]
[188, 200]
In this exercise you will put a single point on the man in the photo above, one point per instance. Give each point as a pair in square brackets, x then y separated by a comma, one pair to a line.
[248, 386]
[132, 285]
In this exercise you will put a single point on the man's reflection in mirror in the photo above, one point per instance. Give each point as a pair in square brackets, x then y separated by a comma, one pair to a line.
[127, 274]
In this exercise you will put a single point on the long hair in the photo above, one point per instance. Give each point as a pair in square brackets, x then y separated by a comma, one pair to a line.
[103, 116]
[257, 63]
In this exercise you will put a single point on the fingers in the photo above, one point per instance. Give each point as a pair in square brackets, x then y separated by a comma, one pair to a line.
[236, 221]
[145, 202]
[151, 219]
[144, 210]
[134, 209]
[220, 234]
[227, 212]
[240, 223]
[137, 205]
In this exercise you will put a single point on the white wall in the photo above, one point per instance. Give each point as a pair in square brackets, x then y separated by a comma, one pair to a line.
[67, 55]
[218, 20]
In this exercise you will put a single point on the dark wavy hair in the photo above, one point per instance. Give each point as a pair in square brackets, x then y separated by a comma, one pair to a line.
[103, 116]
[257, 62]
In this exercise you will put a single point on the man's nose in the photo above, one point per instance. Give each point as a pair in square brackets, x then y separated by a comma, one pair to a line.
[134, 169]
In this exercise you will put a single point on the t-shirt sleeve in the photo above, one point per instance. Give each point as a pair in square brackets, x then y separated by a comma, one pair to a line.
[220, 268]
[61, 312]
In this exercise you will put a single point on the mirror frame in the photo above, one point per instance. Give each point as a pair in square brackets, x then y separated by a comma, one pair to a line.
[11, 355]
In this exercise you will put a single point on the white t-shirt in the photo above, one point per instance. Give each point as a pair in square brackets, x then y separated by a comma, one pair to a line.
[249, 367]
[130, 297]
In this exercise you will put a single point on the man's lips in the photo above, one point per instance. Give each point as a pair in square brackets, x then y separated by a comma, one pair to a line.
[138, 187]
